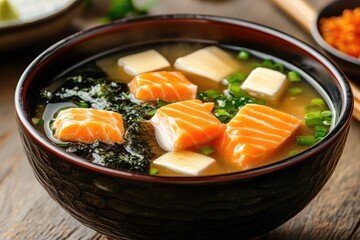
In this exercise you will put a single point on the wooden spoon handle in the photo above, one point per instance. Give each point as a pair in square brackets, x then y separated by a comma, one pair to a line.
[305, 15]
[299, 10]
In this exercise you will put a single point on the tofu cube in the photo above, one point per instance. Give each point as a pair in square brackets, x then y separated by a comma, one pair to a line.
[266, 84]
[185, 162]
[210, 62]
[142, 62]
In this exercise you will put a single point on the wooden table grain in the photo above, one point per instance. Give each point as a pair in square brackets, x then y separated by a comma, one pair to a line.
[27, 212]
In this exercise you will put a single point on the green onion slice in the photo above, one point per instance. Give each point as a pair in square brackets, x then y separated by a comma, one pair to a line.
[293, 76]
[243, 55]
[207, 150]
[153, 171]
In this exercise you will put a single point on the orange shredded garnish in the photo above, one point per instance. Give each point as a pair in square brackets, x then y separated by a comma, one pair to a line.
[343, 32]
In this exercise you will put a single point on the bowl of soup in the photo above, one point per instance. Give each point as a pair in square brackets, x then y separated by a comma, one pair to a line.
[183, 126]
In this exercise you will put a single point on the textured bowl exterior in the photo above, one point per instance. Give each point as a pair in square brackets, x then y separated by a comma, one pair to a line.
[132, 206]
[142, 210]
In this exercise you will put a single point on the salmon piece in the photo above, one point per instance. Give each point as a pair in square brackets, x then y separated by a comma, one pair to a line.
[88, 125]
[185, 124]
[254, 134]
[165, 85]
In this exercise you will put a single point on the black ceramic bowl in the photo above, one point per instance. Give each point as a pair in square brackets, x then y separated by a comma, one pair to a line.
[126, 205]
[349, 64]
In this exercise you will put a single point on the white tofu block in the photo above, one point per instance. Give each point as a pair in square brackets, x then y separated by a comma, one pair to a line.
[266, 84]
[142, 62]
[185, 162]
[209, 62]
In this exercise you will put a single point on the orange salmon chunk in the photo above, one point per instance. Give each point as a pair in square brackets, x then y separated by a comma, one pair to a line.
[254, 134]
[185, 124]
[164, 85]
[88, 125]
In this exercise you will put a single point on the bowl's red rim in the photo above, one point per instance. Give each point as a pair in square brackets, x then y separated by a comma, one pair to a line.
[343, 119]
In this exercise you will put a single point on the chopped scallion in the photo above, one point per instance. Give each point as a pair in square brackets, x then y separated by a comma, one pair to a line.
[213, 94]
[234, 88]
[83, 105]
[293, 153]
[278, 67]
[320, 131]
[221, 112]
[326, 113]
[207, 150]
[313, 119]
[318, 101]
[153, 171]
[243, 55]
[293, 76]
[306, 140]
[327, 122]
[236, 77]
[267, 63]
[296, 90]
[316, 104]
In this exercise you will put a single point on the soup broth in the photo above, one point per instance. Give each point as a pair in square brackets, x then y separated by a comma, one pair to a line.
[101, 84]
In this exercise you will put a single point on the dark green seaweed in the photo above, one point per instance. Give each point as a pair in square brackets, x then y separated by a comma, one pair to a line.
[89, 86]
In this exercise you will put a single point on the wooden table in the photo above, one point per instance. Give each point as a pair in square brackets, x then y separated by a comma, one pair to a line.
[27, 212]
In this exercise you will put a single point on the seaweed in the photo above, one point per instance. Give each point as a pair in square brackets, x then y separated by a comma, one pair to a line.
[89, 86]
[134, 155]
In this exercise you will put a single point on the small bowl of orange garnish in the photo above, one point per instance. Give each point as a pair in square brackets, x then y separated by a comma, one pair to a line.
[337, 31]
